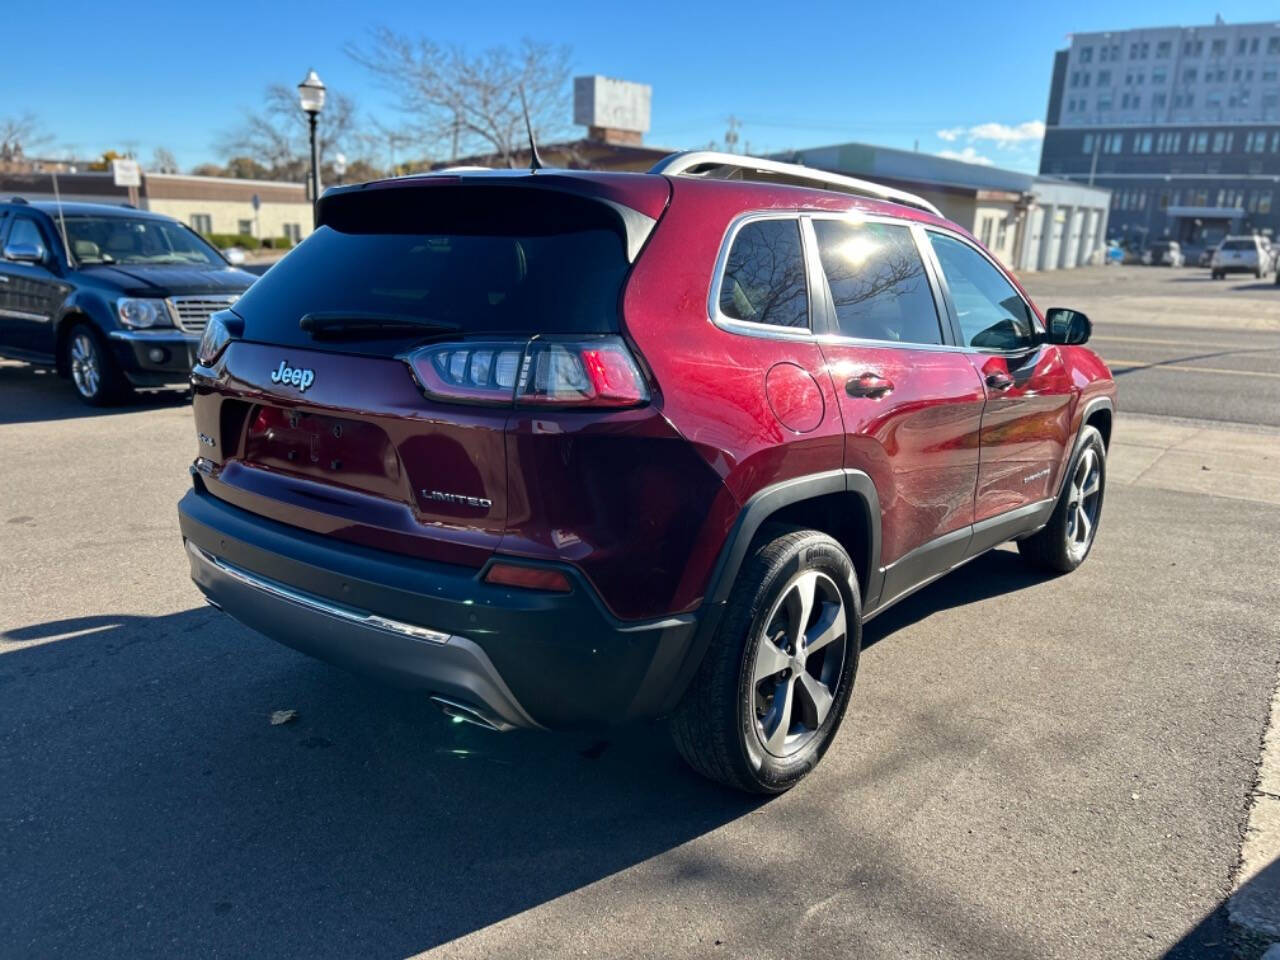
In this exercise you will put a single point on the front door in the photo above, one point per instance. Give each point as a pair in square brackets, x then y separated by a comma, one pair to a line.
[29, 294]
[911, 404]
[1027, 422]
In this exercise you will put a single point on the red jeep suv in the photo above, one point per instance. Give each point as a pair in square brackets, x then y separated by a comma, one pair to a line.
[560, 447]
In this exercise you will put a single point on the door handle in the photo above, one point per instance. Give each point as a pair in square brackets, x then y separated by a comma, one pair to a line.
[999, 381]
[868, 385]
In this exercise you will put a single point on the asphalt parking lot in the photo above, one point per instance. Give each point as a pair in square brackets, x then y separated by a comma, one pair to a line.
[1031, 767]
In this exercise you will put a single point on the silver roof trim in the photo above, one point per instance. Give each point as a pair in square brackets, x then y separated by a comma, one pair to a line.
[730, 166]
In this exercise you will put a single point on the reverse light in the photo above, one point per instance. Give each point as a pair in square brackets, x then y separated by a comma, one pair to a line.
[529, 578]
[223, 327]
[140, 314]
[585, 372]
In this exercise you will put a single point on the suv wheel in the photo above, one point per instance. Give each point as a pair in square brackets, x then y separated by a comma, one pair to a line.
[1068, 536]
[773, 686]
[94, 372]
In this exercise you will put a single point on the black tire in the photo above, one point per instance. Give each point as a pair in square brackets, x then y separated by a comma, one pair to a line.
[1058, 546]
[1216, 275]
[718, 727]
[92, 368]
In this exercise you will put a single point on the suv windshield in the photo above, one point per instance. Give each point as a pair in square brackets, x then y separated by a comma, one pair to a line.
[99, 240]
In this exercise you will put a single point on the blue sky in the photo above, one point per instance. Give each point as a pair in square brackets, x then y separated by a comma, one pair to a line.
[100, 75]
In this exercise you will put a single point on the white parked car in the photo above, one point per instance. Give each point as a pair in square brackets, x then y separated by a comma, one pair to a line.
[1240, 255]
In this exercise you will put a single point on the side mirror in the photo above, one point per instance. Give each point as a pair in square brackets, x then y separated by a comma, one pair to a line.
[1067, 327]
[25, 252]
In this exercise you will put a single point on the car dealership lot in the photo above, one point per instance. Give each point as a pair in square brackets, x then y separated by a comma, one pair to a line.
[1031, 766]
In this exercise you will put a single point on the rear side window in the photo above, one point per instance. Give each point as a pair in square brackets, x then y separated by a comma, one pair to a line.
[1238, 245]
[878, 283]
[479, 260]
[992, 315]
[764, 276]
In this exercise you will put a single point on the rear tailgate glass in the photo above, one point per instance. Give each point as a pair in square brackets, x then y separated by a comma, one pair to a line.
[471, 260]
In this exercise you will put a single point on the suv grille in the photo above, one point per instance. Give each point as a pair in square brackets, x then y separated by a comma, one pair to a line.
[191, 314]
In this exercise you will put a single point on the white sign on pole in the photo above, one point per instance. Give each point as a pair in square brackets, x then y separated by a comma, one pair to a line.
[127, 173]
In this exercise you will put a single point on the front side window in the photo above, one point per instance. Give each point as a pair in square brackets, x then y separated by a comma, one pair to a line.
[991, 313]
[878, 283]
[764, 277]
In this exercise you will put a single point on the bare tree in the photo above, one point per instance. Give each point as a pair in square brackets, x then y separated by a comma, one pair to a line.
[459, 103]
[163, 161]
[277, 136]
[20, 135]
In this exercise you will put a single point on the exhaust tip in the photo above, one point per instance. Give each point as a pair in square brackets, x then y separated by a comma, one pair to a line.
[465, 713]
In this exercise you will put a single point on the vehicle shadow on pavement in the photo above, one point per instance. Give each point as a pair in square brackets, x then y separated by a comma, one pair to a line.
[1256, 902]
[150, 806]
[990, 575]
[30, 394]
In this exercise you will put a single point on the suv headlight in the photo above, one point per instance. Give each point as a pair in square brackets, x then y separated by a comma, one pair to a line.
[143, 313]
[223, 327]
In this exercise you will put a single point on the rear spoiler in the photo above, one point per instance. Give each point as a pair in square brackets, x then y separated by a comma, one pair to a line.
[635, 226]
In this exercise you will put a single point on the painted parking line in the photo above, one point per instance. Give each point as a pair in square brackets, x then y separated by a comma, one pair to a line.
[1174, 343]
[1185, 368]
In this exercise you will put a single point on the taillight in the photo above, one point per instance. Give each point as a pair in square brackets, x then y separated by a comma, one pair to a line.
[588, 371]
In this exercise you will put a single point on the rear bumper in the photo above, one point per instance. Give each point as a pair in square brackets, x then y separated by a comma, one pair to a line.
[153, 358]
[518, 658]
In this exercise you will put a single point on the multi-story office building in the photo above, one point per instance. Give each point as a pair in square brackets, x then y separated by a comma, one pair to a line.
[1181, 123]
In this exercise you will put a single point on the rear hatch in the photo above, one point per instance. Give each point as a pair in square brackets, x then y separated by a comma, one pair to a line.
[369, 393]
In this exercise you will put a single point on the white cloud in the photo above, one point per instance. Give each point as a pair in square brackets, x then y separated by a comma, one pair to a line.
[1001, 134]
[968, 155]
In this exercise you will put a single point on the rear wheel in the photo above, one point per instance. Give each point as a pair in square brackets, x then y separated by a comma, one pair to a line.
[1068, 537]
[94, 372]
[773, 686]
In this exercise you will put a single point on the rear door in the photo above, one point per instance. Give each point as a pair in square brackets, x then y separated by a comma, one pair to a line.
[1026, 424]
[911, 402]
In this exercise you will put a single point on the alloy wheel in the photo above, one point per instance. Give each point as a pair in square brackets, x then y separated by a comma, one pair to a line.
[86, 370]
[1084, 497]
[798, 663]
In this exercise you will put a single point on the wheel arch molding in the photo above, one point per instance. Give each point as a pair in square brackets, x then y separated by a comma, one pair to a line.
[1088, 410]
[788, 501]
[775, 502]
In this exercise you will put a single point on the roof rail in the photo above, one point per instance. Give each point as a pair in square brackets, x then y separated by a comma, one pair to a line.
[732, 166]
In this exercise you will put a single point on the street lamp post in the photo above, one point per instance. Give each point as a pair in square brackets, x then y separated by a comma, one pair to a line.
[311, 99]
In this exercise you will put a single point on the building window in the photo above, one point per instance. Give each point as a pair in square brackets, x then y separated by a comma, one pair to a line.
[1164, 200]
[202, 222]
[244, 227]
[1086, 54]
[1218, 48]
[986, 232]
[1002, 231]
[1273, 45]
[1189, 75]
[1236, 75]
[1269, 75]
[1142, 143]
[1270, 101]
[1214, 99]
[1264, 201]
[1158, 100]
[1253, 45]
[1086, 145]
[293, 232]
[1104, 78]
[1243, 45]
[1164, 49]
[1104, 102]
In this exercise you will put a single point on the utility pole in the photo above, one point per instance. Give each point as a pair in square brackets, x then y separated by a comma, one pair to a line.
[731, 135]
